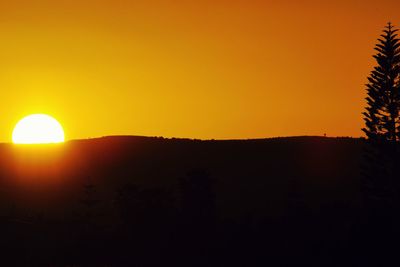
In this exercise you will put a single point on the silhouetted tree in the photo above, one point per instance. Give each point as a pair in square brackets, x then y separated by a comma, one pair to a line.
[381, 177]
[89, 201]
[382, 115]
[382, 121]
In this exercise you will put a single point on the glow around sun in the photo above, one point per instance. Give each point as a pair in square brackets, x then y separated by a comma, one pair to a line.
[38, 129]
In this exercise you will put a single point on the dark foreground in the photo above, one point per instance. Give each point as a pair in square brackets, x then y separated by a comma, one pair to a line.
[137, 201]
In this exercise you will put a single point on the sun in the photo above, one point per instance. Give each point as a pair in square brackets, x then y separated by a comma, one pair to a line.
[38, 129]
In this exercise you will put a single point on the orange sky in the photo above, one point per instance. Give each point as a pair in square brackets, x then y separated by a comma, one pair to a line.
[211, 69]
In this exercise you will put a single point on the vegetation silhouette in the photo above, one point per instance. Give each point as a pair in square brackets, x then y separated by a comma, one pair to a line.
[381, 176]
[382, 122]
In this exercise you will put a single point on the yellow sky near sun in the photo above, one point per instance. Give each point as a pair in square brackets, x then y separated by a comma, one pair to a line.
[211, 69]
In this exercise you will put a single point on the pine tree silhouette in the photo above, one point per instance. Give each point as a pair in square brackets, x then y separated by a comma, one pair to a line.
[382, 122]
[382, 113]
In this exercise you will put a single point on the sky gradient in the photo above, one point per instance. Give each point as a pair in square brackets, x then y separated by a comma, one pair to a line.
[211, 69]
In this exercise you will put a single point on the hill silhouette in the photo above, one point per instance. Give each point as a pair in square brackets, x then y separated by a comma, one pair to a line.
[254, 173]
[131, 197]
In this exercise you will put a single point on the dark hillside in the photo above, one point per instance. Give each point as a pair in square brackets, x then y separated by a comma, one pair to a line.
[251, 176]
[176, 198]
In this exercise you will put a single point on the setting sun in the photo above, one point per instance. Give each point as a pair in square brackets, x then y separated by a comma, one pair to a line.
[38, 129]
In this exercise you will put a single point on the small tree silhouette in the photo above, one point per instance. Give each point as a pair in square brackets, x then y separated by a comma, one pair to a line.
[89, 203]
[382, 122]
